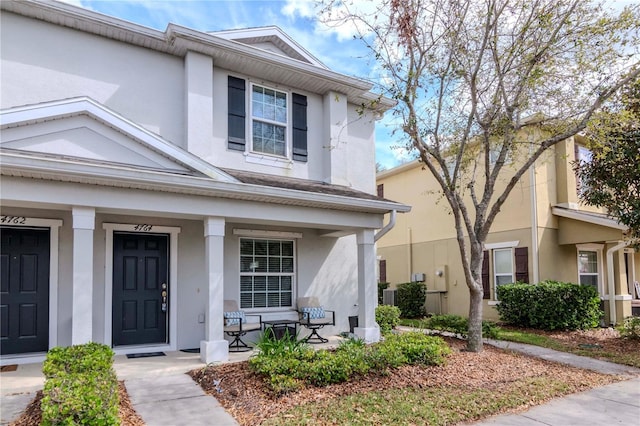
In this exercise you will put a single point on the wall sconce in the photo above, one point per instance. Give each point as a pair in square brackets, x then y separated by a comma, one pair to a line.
[439, 273]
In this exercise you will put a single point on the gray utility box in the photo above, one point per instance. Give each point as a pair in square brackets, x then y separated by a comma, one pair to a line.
[389, 297]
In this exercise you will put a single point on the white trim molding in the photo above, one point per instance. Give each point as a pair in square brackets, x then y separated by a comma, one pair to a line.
[260, 233]
[54, 237]
[146, 228]
[506, 244]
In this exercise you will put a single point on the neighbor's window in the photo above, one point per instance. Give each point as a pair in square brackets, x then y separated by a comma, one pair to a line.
[502, 267]
[588, 268]
[269, 119]
[266, 273]
[583, 156]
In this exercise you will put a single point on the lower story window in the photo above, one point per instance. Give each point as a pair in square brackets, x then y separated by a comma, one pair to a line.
[588, 268]
[266, 273]
[502, 267]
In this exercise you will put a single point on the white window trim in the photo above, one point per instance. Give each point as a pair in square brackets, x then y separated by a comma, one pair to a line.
[260, 157]
[506, 244]
[493, 270]
[54, 237]
[294, 274]
[173, 232]
[599, 263]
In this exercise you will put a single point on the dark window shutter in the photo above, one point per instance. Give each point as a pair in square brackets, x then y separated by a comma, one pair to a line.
[237, 113]
[299, 112]
[383, 271]
[381, 190]
[486, 283]
[522, 264]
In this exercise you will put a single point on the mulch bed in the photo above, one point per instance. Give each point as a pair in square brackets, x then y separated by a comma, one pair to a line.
[245, 396]
[32, 416]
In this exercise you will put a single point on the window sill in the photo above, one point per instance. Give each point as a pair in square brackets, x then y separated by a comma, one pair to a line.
[494, 302]
[268, 160]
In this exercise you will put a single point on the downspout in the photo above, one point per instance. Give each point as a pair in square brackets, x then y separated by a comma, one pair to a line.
[534, 223]
[610, 280]
[387, 227]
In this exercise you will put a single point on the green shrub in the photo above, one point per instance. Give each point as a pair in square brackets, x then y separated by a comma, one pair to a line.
[550, 305]
[381, 287]
[411, 298]
[630, 328]
[418, 348]
[387, 317]
[80, 387]
[460, 325]
[287, 367]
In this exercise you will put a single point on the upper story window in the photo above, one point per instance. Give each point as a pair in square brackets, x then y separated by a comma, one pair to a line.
[275, 121]
[583, 156]
[269, 121]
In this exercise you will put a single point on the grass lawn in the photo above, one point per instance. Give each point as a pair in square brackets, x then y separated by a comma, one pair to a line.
[441, 405]
[470, 386]
[601, 343]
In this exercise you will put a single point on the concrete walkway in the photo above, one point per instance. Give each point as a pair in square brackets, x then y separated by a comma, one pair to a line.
[163, 394]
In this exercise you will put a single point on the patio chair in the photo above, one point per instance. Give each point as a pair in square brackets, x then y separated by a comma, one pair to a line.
[313, 316]
[236, 325]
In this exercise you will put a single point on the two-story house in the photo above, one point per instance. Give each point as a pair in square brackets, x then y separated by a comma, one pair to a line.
[149, 175]
[541, 233]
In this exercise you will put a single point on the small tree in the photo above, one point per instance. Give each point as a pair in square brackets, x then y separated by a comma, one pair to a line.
[476, 80]
[612, 178]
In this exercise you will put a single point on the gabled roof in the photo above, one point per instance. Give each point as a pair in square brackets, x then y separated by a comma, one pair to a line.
[146, 148]
[272, 39]
[232, 55]
[588, 217]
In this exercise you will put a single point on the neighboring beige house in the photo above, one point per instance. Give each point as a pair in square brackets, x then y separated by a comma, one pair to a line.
[541, 233]
[149, 175]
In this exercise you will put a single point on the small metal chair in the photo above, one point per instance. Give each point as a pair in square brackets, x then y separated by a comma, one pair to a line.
[235, 325]
[313, 316]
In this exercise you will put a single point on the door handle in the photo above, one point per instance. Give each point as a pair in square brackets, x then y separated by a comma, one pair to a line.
[164, 297]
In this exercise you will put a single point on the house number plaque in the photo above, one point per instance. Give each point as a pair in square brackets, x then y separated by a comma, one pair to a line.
[143, 227]
[15, 220]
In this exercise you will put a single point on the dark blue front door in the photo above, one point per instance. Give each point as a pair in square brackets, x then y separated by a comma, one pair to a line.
[140, 289]
[24, 290]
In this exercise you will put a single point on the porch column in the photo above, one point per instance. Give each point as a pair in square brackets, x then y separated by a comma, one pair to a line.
[214, 348]
[368, 330]
[84, 219]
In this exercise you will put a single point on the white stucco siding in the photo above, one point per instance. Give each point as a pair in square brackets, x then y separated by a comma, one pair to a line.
[43, 62]
[361, 148]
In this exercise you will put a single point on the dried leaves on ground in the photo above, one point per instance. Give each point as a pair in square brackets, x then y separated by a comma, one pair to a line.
[32, 416]
[245, 396]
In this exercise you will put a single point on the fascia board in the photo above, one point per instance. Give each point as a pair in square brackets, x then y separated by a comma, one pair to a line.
[68, 170]
[585, 217]
[176, 32]
[85, 105]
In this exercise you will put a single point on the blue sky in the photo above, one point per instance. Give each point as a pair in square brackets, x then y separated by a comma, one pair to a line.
[335, 47]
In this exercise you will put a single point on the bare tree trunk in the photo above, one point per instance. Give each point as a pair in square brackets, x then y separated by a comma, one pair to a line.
[474, 340]
[474, 282]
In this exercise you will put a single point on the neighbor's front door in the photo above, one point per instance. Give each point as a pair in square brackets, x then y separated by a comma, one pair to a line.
[140, 288]
[24, 290]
